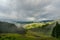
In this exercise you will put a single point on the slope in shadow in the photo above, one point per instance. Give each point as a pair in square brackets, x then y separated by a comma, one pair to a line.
[56, 30]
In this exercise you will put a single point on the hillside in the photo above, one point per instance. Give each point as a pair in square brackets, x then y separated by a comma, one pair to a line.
[31, 31]
[6, 27]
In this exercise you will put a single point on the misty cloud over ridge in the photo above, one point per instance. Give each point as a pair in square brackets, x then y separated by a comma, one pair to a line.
[30, 9]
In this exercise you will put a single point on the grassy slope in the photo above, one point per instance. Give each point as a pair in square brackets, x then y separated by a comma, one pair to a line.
[30, 35]
[23, 37]
[36, 25]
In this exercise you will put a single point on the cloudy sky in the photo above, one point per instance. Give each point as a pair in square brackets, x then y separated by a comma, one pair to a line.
[29, 10]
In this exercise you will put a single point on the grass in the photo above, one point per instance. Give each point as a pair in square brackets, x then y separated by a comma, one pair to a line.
[36, 25]
[30, 35]
[14, 36]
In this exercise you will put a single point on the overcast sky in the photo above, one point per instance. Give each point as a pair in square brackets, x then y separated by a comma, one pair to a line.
[29, 10]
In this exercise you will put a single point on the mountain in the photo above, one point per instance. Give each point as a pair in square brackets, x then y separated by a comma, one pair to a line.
[46, 20]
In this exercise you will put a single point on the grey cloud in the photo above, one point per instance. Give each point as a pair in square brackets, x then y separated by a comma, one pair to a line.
[25, 9]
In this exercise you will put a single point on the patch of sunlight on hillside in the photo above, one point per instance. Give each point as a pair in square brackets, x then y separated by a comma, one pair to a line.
[36, 25]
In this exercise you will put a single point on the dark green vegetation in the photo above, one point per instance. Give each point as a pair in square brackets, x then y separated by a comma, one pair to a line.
[32, 31]
[56, 30]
